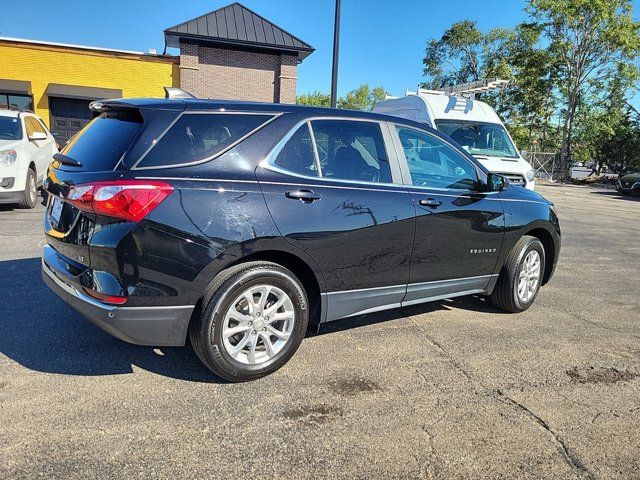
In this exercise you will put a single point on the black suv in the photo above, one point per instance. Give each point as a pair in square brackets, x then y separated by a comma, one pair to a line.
[241, 224]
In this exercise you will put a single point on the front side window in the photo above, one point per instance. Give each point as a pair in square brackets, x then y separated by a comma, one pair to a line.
[10, 128]
[351, 150]
[195, 137]
[297, 155]
[433, 163]
[479, 138]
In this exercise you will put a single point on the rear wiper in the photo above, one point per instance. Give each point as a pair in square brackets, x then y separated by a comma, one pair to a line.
[64, 160]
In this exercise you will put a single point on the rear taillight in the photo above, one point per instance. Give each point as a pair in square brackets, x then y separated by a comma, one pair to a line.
[130, 200]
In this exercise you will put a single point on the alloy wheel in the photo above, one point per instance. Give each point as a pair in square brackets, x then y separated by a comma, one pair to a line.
[529, 276]
[258, 324]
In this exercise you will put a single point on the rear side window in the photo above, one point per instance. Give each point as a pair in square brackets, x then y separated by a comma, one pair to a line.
[102, 143]
[297, 154]
[195, 137]
[351, 150]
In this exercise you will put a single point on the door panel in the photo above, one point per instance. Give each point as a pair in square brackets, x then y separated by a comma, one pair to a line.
[459, 230]
[460, 238]
[360, 237]
[327, 187]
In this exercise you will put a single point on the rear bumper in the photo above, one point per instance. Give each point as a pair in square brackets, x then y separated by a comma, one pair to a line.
[164, 326]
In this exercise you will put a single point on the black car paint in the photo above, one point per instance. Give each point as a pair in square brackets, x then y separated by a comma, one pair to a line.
[232, 208]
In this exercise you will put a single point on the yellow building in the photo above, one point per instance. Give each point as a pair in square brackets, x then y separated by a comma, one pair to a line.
[58, 81]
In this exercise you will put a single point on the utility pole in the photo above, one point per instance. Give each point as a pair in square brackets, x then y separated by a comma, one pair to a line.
[336, 49]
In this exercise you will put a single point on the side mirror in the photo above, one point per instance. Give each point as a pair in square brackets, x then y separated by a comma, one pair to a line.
[524, 154]
[38, 136]
[497, 183]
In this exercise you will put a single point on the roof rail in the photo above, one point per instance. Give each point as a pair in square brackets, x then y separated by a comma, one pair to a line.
[175, 92]
[464, 89]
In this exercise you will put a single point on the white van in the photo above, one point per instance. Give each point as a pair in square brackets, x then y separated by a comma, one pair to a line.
[471, 123]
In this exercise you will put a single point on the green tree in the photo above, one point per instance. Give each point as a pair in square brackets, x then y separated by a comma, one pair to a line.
[465, 54]
[314, 99]
[589, 40]
[362, 98]
[455, 57]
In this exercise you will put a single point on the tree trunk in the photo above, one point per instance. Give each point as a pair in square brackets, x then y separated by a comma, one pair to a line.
[565, 151]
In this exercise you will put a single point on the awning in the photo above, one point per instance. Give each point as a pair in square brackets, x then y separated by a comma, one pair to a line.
[15, 86]
[84, 93]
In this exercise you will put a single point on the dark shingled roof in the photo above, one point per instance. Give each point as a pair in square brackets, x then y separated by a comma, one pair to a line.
[236, 25]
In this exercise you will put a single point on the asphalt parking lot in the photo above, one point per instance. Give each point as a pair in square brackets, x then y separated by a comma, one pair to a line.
[452, 389]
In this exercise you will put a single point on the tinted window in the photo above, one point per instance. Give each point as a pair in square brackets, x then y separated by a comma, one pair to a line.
[16, 102]
[10, 128]
[479, 138]
[195, 137]
[102, 143]
[351, 150]
[297, 155]
[433, 163]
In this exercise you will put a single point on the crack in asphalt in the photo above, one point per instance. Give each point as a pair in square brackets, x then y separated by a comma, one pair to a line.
[569, 457]
[577, 316]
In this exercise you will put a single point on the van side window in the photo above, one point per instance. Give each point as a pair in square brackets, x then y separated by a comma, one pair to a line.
[198, 136]
[297, 154]
[351, 150]
[434, 163]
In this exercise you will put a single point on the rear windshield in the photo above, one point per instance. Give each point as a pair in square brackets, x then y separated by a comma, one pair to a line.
[195, 137]
[10, 128]
[102, 143]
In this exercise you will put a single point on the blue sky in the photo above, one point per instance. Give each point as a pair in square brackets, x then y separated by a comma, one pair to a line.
[382, 41]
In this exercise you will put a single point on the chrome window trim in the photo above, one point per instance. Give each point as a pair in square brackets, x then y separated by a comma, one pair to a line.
[399, 188]
[273, 115]
[268, 162]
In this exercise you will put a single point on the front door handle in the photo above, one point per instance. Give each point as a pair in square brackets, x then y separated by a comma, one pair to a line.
[430, 202]
[306, 196]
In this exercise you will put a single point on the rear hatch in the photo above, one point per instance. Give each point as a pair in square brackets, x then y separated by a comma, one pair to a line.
[98, 152]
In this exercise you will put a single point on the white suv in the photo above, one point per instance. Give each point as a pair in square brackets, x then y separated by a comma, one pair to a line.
[26, 149]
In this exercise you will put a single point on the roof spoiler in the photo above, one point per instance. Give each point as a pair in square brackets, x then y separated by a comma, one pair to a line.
[175, 92]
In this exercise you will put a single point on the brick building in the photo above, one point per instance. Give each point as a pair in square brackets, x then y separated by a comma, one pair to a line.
[230, 53]
[234, 53]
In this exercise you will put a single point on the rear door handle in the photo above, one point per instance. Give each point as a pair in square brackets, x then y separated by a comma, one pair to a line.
[430, 202]
[306, 196]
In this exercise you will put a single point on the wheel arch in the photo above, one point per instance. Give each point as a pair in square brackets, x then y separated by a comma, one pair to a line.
[549, 246]
[302, 270]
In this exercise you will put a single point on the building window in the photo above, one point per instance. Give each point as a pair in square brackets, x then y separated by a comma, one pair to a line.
[14, 101]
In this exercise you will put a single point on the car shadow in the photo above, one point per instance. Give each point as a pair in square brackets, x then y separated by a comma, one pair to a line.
[617, 195]
[40, 332]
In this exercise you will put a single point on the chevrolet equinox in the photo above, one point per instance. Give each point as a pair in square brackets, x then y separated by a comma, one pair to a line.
[239, 225]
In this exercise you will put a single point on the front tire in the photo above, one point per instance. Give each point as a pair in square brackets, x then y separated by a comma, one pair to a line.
[30, 194]
[520, 277]
[251, 321]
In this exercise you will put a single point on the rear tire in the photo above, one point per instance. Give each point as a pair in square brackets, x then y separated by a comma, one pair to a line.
[520, 277]
[30, 194]
[268, 331]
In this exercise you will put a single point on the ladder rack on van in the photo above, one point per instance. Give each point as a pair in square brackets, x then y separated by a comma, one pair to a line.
[464, 89]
